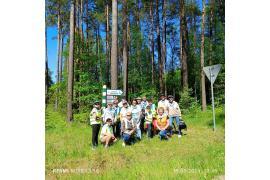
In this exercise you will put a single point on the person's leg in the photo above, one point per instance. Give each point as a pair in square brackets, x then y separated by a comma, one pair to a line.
[126, 138]
[93, 134]
[149, 129]
[96, 137]
[117, 129]
[163, 134]
[139, 133]
[171, 124]
[178, 125]
[108, 140]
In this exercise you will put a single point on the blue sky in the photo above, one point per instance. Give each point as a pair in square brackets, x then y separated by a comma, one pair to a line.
[52, 49]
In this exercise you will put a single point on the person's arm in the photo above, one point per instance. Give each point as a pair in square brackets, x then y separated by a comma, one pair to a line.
[157, 125]
[123, 126]
[177, 106]
[92, 115]
[167, 125]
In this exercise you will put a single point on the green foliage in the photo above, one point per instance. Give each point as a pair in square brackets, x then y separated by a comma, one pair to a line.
[82, 118]
[54, 120]
[187, 102]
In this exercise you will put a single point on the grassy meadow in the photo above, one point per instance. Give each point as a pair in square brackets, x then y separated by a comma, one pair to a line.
[200, 154]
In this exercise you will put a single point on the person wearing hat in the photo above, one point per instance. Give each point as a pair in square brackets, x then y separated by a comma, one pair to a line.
[124, 111]
[106, 136]
[148, 121]
[128, 129]
[144, 102]
[174, 113]
[139, 101]
[122, 102]
[163, 103]
[95, 122]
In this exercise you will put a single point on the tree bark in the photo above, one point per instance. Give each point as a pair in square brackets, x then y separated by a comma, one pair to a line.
[114, 46]
[58, 54]
[161, 82]
[203, 95]
[70, 64]
[61, 57]
[184, 40]
[107, 43]
[138, 45]
[211, 32]
[125, 51]
[164, 53]
[152, 42]
[81, 21]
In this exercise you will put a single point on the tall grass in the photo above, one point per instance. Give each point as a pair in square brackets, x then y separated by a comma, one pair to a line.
[197, 155]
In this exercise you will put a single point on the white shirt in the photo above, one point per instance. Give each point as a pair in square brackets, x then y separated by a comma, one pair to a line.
[108, 112]
[164, 104]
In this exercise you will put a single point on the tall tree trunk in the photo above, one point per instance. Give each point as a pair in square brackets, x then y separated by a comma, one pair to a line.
[107, 43]
[211, 32]
[194, 48]
[114, 45]
[221, 4]
[81, 20]
[98, 54]
[125, 51]
[203, 95]
[184, 38]
[70, 64]
[152, 42]
[76, 16]
[164, 53]
[61, 57]
[58, 54]
[161, 82]
[86, 20]
[138, 45]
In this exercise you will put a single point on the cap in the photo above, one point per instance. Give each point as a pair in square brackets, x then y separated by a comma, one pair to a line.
[96, 102]
[109, 118]
[138, 98]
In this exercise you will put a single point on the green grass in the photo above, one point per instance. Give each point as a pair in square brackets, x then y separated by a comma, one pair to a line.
[197, 155]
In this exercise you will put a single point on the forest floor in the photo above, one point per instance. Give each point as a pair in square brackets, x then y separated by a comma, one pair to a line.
[200, 154]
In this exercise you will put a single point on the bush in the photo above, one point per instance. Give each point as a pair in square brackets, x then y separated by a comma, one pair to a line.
[187, 102]
[82, 117]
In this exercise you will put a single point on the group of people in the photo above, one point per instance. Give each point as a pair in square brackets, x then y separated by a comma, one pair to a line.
[129, 121]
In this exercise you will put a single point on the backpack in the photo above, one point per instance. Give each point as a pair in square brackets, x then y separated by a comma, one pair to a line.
[182, 125]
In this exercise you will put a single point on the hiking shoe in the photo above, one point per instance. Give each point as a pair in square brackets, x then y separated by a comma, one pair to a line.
[179, 135]
[123, 144]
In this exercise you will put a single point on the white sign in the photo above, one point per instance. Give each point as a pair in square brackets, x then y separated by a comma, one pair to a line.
[110, 97]
[212, 72]
[116, 92]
